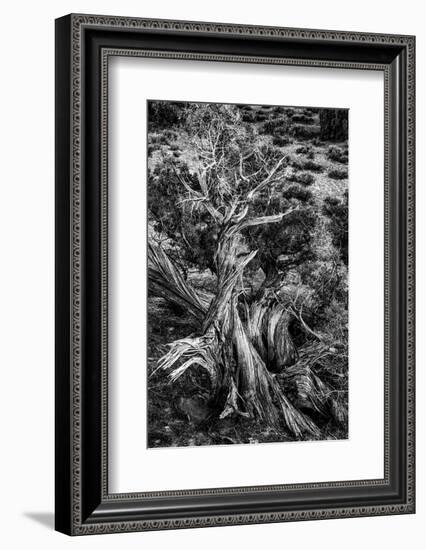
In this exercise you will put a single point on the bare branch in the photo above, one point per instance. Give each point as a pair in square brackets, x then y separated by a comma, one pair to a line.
[267, 180]
[197, 197]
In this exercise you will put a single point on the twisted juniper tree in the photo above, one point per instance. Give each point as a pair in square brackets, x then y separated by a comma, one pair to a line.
[236, 204]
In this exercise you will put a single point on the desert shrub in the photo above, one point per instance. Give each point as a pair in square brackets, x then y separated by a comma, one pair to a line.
[304, 149]
[303, 119]
[163, 188]
[278, 111]
[280, 123]
[337, 154]
[163, 140]
[304, 178]
[337, 174]
[248, 116]
[176, 154]
[170, 134]
[304, 132]
[281, 141]
[275, 126]
[312, 166]
[296, 192]
[296, 164]
[264, 129]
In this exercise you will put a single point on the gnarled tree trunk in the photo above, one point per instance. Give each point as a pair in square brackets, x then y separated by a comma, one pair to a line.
[237, 341]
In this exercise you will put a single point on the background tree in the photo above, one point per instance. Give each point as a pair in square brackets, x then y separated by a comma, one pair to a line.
[333, 124]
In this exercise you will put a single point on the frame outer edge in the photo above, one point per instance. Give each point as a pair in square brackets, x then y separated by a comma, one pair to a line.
[63, 494]
[77, 22]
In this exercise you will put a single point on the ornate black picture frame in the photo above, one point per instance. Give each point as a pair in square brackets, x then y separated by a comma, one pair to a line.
[84, 44]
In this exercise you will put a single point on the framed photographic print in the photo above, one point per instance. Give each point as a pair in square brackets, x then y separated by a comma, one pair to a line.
[234, 274]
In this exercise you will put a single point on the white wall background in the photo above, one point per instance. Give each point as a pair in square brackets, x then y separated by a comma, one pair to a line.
[27, 262]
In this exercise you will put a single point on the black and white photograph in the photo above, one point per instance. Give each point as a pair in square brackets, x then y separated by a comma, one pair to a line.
[247, 273]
